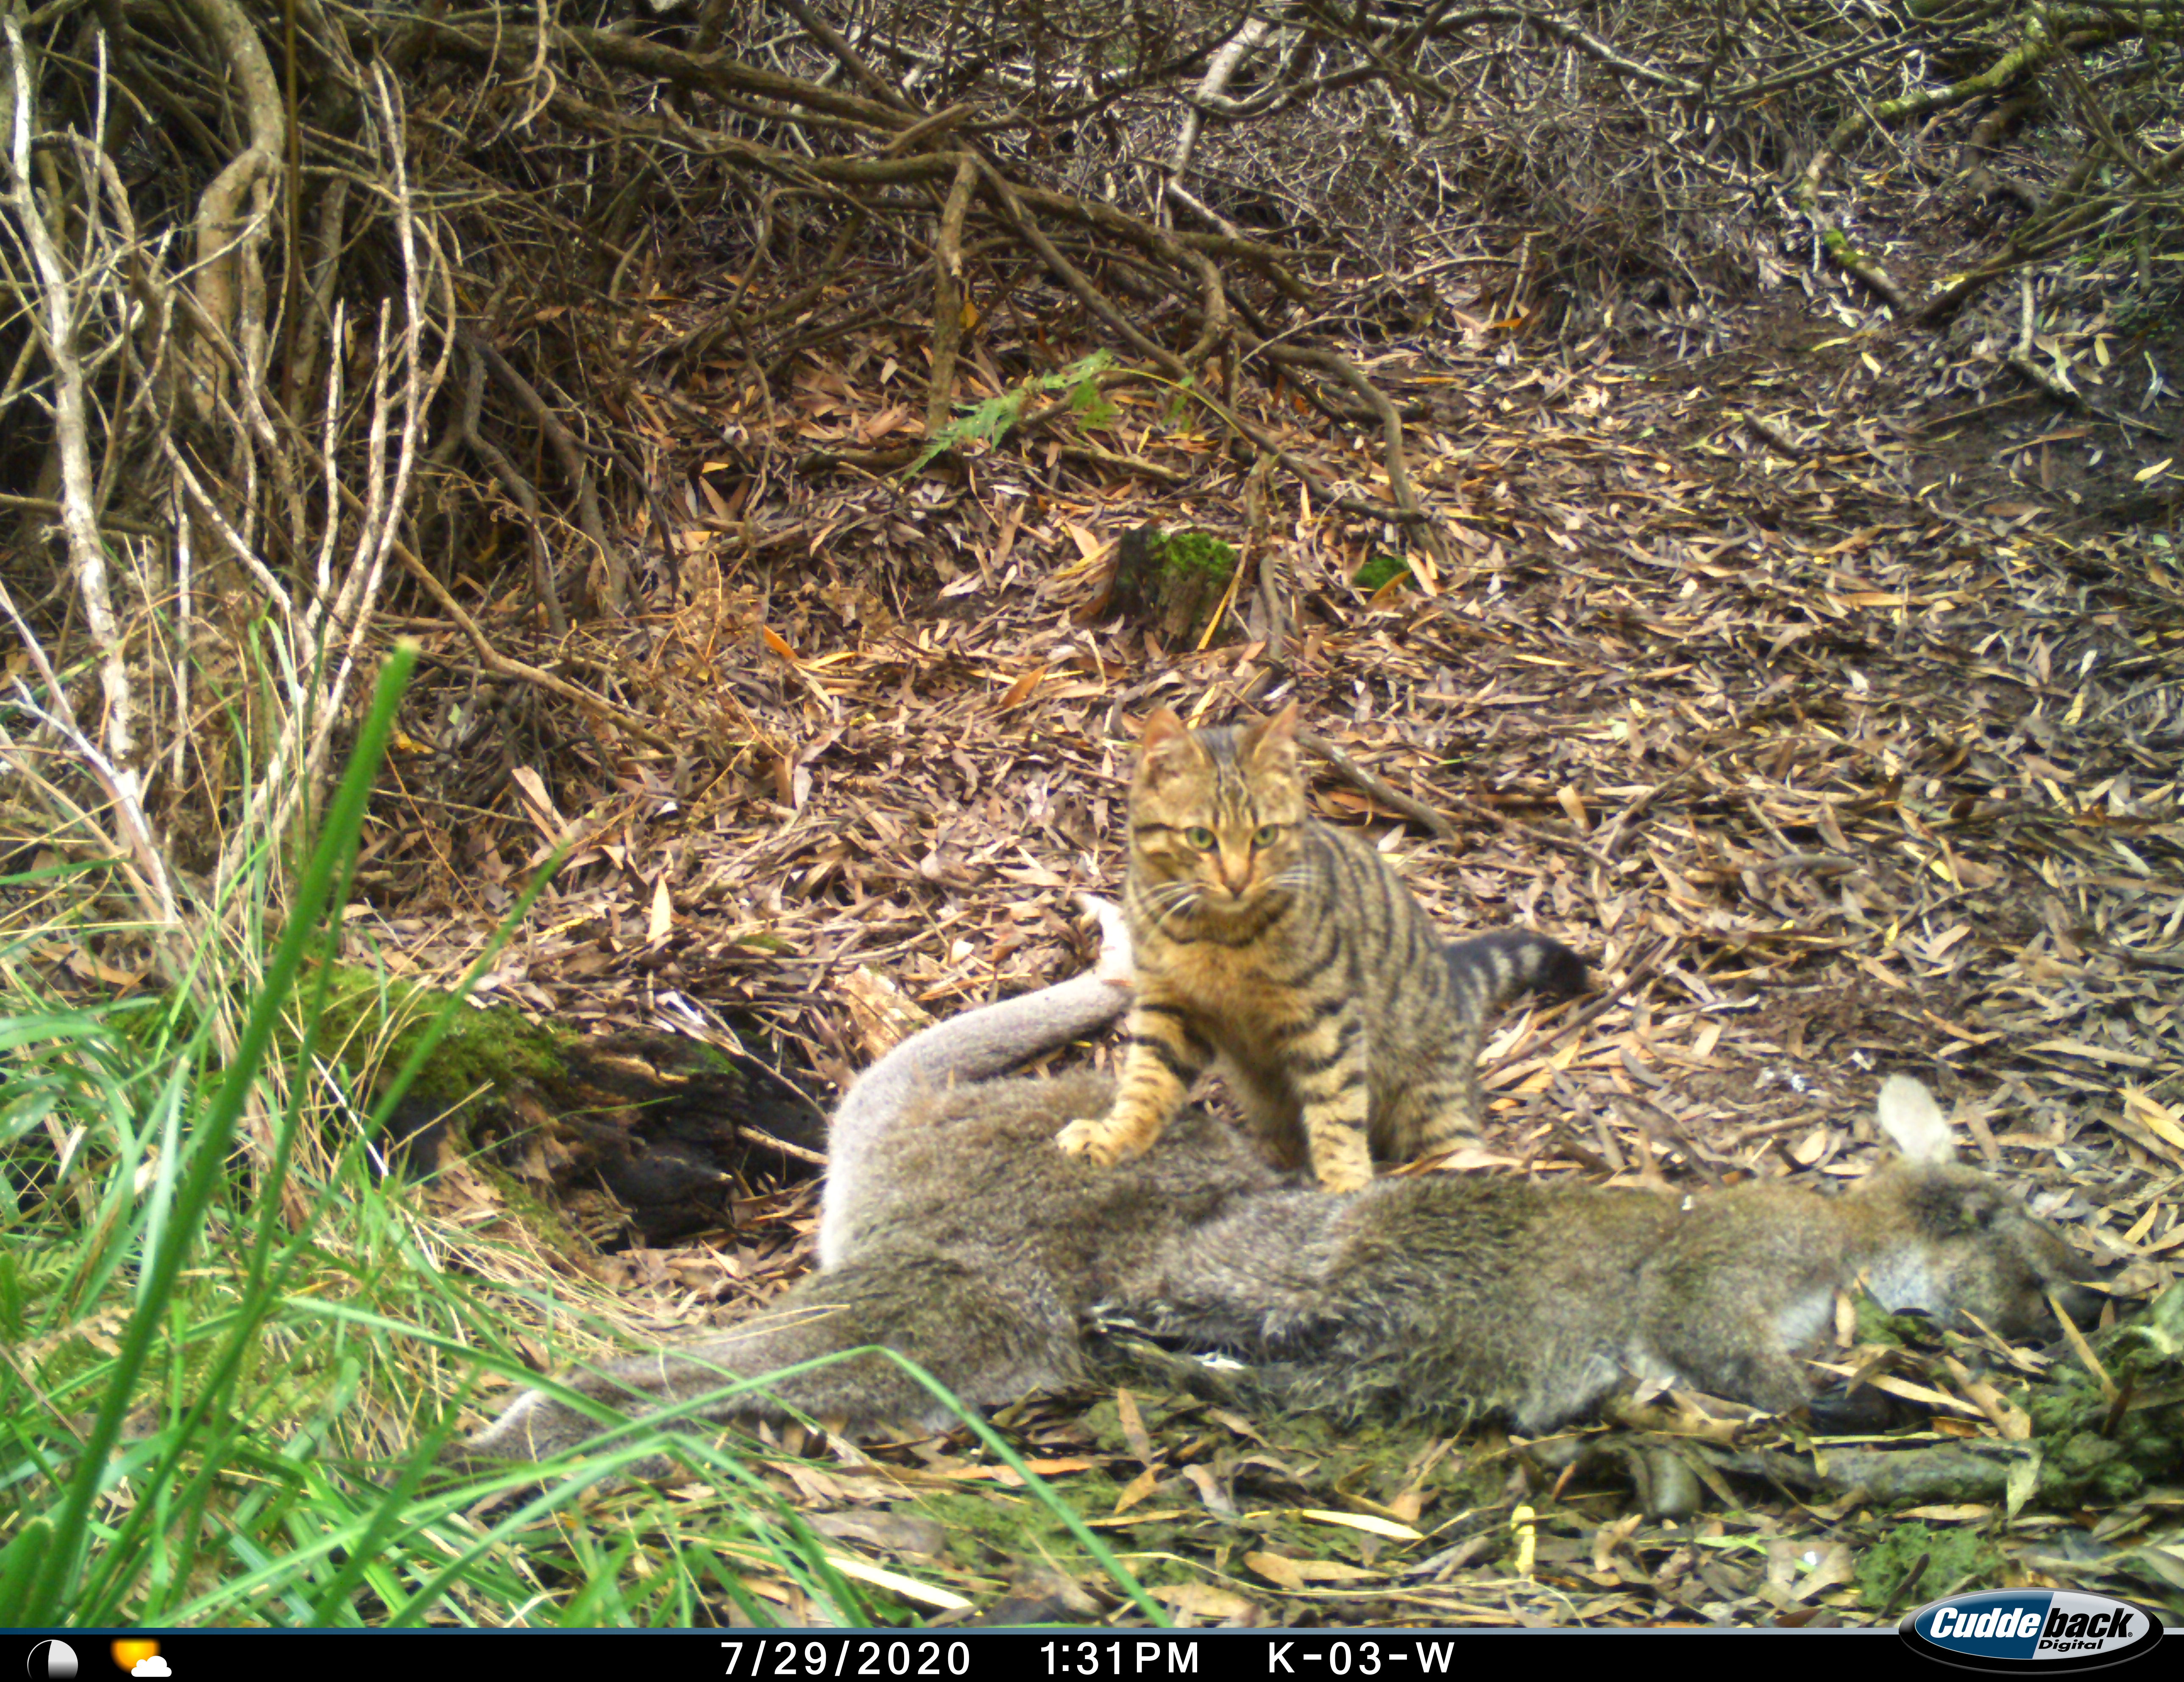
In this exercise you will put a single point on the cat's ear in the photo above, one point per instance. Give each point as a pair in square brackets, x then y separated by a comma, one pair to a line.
[1161, 745]
[1161, 724]
[1272, 740]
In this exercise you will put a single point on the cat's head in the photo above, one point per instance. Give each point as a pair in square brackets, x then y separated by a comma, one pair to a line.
[1216, 816]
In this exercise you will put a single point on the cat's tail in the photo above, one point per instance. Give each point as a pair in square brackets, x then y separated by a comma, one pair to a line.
[1488, 970]
[980, 1043]
[1492, 969]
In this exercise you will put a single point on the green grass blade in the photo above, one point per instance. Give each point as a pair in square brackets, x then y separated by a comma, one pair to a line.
[48, 1597]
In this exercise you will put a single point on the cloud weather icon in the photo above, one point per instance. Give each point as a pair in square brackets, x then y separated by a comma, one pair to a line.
[153, 1666]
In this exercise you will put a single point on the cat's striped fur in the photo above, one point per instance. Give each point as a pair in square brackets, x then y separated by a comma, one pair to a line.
[1290, 951]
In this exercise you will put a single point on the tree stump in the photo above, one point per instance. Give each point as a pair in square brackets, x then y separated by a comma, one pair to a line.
[1171, 584]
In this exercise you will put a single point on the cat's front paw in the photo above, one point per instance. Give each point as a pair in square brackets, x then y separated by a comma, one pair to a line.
[1094, 1140]
[1343, 1175]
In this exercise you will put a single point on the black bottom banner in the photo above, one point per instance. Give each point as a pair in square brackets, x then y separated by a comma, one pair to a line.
[778, 1655]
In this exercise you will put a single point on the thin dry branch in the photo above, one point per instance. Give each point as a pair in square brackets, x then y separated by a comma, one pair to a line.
[56, 318]
[948, 298]
[1235, 53]
[574, 468]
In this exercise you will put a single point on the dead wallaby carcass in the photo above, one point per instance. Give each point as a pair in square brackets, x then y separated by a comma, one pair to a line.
[1538, 1302]
[952, 1233]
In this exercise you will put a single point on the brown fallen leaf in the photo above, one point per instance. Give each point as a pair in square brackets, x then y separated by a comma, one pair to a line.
[1137, 1490]
[1299, 1573]
[661, 923]
[1008, 1475]
[1020, 691]
[2156, 1117]
[1133, 1426]
[1209, 1490]
[881, 1016]
[898, 1533]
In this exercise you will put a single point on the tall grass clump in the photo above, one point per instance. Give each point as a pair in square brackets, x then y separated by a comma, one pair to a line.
[235, 1343]
[229, 1335]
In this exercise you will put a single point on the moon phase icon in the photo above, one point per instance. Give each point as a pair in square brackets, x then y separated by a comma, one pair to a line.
[52, 1662]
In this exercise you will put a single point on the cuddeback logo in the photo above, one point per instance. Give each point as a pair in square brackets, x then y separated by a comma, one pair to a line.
[2031, 1629]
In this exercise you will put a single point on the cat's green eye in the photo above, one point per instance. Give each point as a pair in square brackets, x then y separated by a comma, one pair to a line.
[1267, 835]
[1201, 838]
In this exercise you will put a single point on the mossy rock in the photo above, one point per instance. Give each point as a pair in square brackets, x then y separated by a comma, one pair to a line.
[374, 1021]
[1949, 1560]
[1171, 584]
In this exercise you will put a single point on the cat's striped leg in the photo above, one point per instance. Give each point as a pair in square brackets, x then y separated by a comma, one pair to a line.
[1445, 1109]
[1165, 1057]
[1328, 1060]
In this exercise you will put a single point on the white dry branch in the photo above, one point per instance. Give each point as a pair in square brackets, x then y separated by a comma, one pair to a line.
[319, 644]
[230, 281]
[133, 851]
[103, 302]
[56, 319]
[1231, 58]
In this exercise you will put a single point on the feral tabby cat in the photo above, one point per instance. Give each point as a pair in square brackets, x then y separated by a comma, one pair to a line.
[1347, 1027]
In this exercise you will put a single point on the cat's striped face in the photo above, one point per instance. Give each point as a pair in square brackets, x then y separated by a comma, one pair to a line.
[1216, 816]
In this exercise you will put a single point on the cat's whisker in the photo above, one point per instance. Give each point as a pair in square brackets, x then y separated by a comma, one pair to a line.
[1170, 896]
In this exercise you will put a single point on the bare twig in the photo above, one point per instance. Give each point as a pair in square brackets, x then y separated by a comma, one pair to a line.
[1395, 800]
[55, 320]
[948, 298]
[1380, 790]
[573, 467]
[545, 586]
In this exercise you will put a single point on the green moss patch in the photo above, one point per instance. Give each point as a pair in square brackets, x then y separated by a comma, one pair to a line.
[1379, 571]
[373, 1023]
[1172, 583]
[1947, 1561]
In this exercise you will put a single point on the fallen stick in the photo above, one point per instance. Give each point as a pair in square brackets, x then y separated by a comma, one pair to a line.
[1393, 798]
